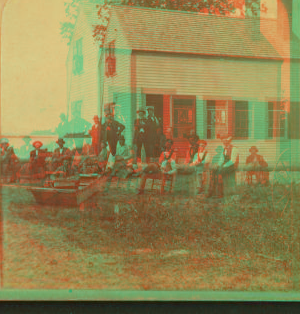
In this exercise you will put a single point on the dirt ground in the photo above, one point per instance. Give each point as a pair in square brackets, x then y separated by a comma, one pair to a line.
[246, 242]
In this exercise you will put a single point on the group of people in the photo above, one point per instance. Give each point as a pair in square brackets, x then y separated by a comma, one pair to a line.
[110, 156]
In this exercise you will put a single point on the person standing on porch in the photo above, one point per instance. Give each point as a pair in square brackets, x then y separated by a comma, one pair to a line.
[139, 134]
[193, 140]
[152, 125]
[95, 133]
[223, 172]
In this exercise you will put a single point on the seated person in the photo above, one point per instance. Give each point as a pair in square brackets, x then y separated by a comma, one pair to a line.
[9, 161]
[60, 154]
[36, 166]
[64, 171]
[191, 152]
[223, 172]
[103, 156]
[200, 162]
[166, 167]
[123, 160]
[256, 164]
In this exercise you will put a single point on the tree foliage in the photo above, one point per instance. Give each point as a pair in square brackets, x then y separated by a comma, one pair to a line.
[241, 8]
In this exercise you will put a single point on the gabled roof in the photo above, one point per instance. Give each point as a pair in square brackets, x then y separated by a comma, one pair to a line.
[192, 33]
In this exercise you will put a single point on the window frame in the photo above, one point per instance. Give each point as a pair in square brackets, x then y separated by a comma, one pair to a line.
[231, 127]
[277, 130]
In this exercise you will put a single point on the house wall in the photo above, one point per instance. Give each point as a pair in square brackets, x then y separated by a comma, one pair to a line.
[84, 86]
[212, 78]
[118, 88]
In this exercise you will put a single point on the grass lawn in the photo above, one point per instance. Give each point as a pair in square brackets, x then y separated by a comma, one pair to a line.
[247, 242]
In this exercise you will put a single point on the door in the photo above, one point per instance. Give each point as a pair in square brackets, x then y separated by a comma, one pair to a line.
[184, 121]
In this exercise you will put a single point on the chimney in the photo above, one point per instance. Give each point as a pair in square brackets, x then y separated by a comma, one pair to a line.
[253, 14]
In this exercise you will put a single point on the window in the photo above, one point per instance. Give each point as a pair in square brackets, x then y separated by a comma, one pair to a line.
[77, 57]
[110, 60]
[227, 117]
[76, 109]
[184, 117]
[241, 119]
[276, 120]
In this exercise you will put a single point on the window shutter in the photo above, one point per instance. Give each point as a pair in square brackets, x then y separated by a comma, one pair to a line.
[294, 119]
[231, 118]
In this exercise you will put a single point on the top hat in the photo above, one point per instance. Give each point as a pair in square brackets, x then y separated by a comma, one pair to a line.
[37, 144]
[140, 110]
[4, 141]
[60, 140]
[96, 117]
[150, 108]
[253, 149]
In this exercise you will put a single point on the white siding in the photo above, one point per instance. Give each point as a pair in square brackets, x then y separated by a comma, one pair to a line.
[85, 85]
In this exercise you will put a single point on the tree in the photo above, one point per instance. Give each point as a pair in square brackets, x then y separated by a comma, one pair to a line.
[242, 8]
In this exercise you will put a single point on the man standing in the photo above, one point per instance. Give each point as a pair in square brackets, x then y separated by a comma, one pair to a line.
[112, 130]
[139, 134]
[223, 172]
[96, 135]
[152, 125]
[193, 140]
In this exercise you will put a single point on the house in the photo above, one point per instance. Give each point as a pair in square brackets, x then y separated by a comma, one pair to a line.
[209, 73]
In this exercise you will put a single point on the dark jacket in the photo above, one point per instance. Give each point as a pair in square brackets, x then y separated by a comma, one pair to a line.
[138, 135]
[151, 130]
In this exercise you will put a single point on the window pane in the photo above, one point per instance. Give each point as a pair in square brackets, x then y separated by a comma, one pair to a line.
[241, 119]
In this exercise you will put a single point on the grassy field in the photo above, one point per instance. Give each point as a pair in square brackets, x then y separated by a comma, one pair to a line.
[246, 242]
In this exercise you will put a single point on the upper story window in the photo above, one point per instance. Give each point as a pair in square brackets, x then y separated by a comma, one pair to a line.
[110, 60]
[77, 57]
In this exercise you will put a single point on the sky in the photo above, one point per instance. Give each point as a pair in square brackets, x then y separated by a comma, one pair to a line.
[33, 65]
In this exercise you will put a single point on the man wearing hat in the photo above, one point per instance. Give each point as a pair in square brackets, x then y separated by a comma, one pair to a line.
[152, 125]
[200, 162]
[95, 133]
[257, 164]
[112, 129]
[223, 172]
[139, 134]
[60, 154]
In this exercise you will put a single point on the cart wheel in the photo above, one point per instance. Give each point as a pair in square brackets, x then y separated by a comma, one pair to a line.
[284, 180]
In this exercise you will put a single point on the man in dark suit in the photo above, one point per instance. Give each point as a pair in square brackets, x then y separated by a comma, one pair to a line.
[152, 125]
[111, 131]
[60, 154]
[139, 134]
